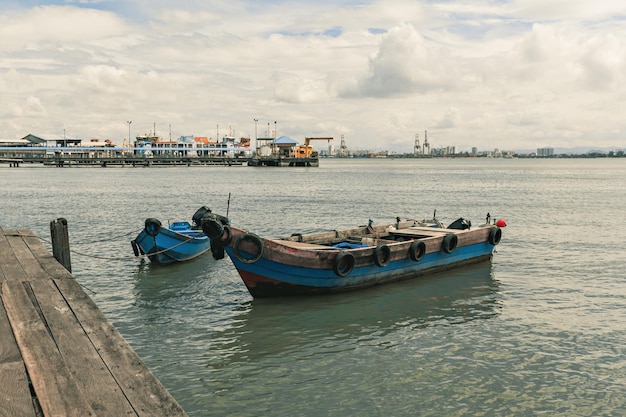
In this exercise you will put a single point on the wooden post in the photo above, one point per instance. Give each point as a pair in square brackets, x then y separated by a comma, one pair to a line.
[61, 242]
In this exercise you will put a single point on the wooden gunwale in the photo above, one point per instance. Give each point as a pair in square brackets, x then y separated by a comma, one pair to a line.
[308, 251]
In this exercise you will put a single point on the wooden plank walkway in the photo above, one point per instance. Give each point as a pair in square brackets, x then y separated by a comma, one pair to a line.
[61, 354]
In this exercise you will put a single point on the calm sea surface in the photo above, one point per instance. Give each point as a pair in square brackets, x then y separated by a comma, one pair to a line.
[541, 330]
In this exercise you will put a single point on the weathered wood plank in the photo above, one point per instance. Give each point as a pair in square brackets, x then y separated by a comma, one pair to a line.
[15, 399]
[44, 257]
[77, 360]
[300, 245]
[9, 267]
[144, 391]
[83, 361]
[9, 351]
[24, 257]
[52, 381]
[90, 373]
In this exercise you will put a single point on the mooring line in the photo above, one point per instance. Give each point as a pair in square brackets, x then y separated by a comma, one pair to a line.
[121, 257]
[109, 239]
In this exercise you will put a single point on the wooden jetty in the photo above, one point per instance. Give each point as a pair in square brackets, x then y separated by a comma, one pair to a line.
[59, 355]
[28, 157]
[283, 161]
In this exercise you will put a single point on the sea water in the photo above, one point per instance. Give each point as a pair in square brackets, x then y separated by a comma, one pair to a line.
[539, 330]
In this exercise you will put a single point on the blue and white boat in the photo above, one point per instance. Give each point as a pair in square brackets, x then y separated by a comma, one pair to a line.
[178, 242]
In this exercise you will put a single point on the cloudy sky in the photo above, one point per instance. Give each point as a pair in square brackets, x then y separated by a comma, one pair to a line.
[512, 75]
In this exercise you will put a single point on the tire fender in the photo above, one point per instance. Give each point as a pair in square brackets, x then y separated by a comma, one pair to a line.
[495, 234]
[152, 227]
[417, 250]
[343, 264]
[249, 237]
[382, 254]
[450, 242]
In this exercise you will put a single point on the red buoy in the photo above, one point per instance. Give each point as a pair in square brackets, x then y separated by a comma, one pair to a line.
[501, 223]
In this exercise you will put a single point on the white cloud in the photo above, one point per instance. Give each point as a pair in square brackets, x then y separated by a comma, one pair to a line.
[30, 108]
[448, 120]
[511, 74]
[46, 27]
[405, 63]
[299, 90]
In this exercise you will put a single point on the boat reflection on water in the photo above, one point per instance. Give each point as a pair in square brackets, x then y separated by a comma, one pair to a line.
[343, 321]
[155, 286]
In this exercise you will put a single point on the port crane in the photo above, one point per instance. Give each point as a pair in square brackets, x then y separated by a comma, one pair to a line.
[306, 150]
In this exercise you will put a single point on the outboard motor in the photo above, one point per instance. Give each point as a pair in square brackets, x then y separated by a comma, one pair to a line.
[199, 214]
[460, 224]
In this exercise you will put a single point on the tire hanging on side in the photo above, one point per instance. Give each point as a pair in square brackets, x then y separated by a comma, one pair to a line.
[450, 242]
[152, 227]
[495, 234]
[417, 250]
[343, 264]
[248, 237]
[382, 254]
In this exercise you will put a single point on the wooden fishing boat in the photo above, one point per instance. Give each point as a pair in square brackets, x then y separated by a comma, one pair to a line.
[342, 260]
[180, 241]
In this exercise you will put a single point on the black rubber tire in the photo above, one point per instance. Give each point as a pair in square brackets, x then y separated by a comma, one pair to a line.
[152, 227]
[225, 240]
[417, 250]
[495, 235]
[251, 237]
[382, 254]
[212, 228]
[217, 252]
[343, 257]
[135, 247]
[450, 243]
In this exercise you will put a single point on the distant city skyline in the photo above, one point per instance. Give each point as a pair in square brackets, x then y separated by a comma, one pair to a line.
[520, 74]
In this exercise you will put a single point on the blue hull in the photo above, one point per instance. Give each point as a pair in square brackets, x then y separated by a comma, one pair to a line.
[342, 260]
[169, 246]
[294, 280]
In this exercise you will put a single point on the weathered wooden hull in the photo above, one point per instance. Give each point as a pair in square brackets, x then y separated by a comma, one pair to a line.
[299, 265]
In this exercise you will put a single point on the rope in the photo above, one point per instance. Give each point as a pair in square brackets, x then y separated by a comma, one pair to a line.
[112, 238]
[119, 257]
[108, 258]
[170, 248]
[86, 254]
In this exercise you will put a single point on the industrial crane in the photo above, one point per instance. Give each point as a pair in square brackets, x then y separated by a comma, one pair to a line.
[306, 150]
